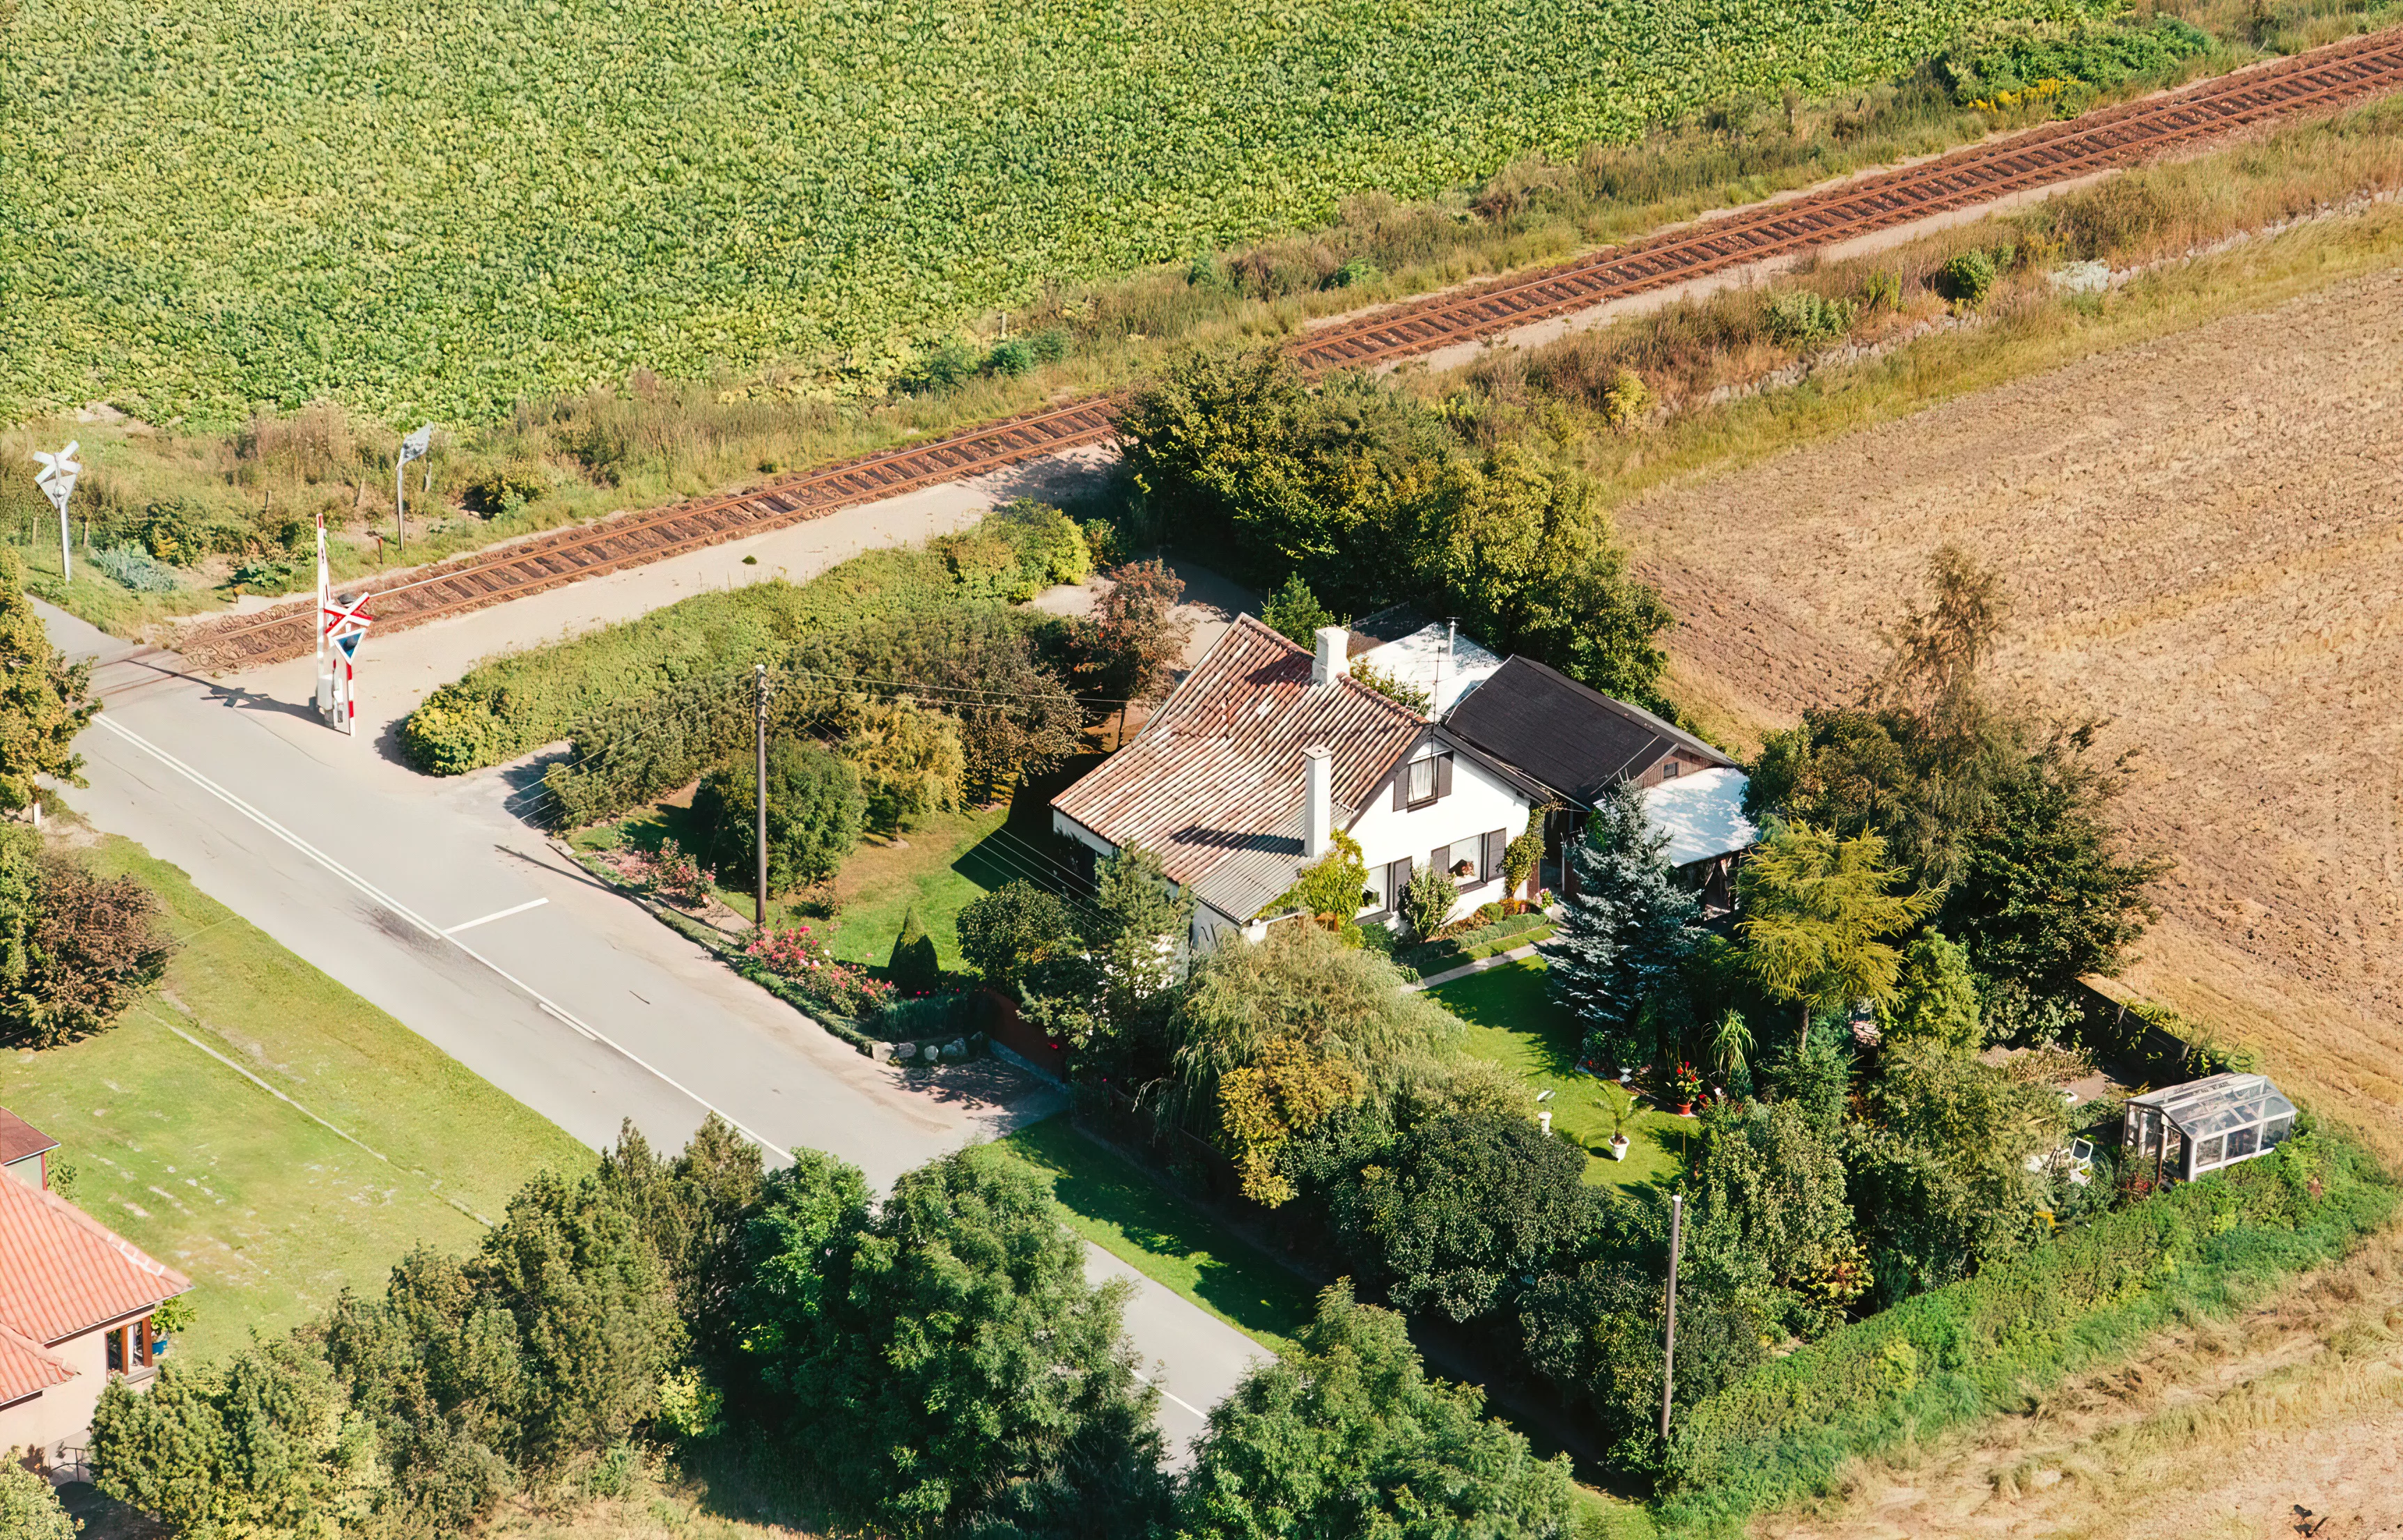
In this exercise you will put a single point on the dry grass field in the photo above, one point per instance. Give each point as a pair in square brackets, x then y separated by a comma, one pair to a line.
[2203, 539]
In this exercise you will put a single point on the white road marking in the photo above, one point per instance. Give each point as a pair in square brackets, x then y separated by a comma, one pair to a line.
[397, 907]
[1169, 1395]
[498, 914]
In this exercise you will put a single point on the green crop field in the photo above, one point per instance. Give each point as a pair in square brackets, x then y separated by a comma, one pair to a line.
[438, 210]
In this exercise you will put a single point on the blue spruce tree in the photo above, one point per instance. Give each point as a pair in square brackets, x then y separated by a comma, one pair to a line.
[1624, 936]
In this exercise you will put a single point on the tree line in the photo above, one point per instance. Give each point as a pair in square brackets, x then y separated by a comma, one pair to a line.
[934, 1363]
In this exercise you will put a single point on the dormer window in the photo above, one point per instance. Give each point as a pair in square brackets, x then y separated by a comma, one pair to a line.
[1422, 781]
[1668, 770]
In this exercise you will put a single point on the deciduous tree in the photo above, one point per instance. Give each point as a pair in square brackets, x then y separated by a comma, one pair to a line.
[44, 701]
[909, 760]
[815, 810]
[1349, 1437]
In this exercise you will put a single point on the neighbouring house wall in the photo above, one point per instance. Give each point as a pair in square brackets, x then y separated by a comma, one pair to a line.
[1478, 803]
[62, 1415]
[32, 1170]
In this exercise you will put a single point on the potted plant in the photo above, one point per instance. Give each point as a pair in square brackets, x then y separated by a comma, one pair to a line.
[1689, 1081]
[1617, 1131]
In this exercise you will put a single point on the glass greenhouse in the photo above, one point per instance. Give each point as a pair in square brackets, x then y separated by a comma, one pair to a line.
[2187, 1131]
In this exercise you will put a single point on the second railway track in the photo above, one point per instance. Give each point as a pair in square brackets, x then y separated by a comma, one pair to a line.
[2323, 80]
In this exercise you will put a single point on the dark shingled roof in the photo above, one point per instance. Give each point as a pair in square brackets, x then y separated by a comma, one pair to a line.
[1576, 741]
[20, 1139]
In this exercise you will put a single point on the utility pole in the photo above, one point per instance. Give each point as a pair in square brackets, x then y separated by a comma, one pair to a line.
[1669, 1337]
[760, 802]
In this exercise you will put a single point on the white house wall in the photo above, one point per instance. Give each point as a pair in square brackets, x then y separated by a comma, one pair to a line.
[1479, 802]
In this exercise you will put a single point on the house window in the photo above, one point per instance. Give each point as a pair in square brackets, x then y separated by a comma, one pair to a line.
[116, 1351]
[1463, 860]
[1423, 782]
[1668, 770]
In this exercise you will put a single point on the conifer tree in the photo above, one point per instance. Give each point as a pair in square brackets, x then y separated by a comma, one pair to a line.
[1625, 932]
[915, 967]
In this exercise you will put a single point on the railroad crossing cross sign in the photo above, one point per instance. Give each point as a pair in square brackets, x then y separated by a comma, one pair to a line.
[345, 620]
[57, 477]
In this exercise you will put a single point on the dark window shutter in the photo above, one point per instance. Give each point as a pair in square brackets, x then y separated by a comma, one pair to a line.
[1443, 776]
[1397, 878]
[1440, 859]
[1402, 788]
[1495, 843]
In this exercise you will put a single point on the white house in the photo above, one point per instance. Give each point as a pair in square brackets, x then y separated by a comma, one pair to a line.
[1264, 751]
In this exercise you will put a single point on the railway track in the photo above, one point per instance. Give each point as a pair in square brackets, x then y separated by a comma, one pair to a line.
[2323, 80]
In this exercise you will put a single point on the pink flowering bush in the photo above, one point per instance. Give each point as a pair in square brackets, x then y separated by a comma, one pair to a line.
[799, 956]
[671, 873]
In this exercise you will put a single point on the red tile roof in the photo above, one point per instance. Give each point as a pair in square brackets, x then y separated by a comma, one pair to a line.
[1214, 779]
[20, 1139]
[27, 1367]
[61, 1272]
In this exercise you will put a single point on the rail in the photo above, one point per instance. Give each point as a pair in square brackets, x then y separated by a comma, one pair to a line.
[2321, 81]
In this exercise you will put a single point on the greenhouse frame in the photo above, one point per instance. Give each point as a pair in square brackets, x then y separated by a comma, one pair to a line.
[2200, 1127]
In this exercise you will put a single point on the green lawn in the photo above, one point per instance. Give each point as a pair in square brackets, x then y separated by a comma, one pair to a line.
[1513, 1021]
[939, 868]
[270, 1211]
[1113, 1203]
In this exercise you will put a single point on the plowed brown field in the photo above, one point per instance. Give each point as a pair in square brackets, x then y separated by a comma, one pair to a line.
[2204, 538]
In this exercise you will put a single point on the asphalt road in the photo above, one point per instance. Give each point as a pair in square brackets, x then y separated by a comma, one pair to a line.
[434, 901]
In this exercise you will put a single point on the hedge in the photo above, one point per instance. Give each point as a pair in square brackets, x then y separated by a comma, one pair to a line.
[1986, 1344]
[700, 647]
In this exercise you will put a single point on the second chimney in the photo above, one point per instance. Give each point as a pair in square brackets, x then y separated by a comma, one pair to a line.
[1317, 798]
[1334, 659]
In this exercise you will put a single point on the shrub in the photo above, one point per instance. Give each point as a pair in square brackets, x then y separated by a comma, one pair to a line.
[1428, 901]
[670, 873]
[506, 489]
[799, 956]
[138, 570]
[1882, 291]
[943, 366]
[1357, 270]
[1049, 345]
[1805, 320]
[1019, 924]
[921, 1020]
[450, 733]
[183, 532]
[1968, 277]
[814, 812]
[915, 967]
[1626, 401]
[1010, 357]
[1399, 691]
[1522, 856]
[30, 1509]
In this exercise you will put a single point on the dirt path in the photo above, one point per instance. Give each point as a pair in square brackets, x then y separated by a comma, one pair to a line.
[2204, 539]
[2227, 1431]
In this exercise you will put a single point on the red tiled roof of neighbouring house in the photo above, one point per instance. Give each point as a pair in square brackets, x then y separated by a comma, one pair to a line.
[1213, 781]
[27, 1367]
[61, 1272]
[20, 1139]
